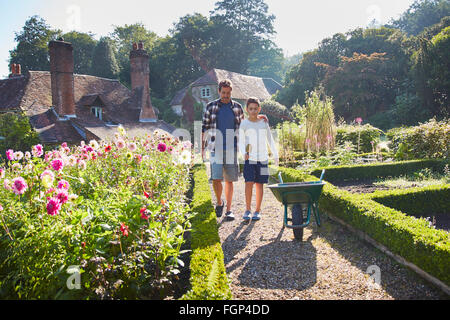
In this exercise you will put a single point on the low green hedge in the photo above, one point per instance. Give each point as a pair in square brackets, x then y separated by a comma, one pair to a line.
[378, 170]
[411, 238]
[416, 201]
[208, 275]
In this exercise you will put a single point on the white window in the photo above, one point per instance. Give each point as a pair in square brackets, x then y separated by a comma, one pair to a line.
[205, 93]
[97, 111]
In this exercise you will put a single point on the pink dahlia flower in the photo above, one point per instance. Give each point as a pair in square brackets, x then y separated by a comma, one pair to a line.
[10, 154]
[162, 147]
[53, 206]
[62, 196]
[57, 164]
[37, 151]
[63, 185]
[19, 186]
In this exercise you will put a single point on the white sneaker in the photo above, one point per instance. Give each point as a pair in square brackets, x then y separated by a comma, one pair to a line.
[256, 216]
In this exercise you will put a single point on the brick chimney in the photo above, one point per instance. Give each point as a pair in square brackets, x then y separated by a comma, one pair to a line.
[61, 70]
[140, 86]
[15, 70]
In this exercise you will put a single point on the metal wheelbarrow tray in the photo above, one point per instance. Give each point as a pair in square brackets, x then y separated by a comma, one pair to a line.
[301, 196]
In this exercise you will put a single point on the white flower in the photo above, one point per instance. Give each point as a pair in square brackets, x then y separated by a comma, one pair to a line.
[18, 155]
[72, 161]
[120, 144]
[93, 144]
[185, 157]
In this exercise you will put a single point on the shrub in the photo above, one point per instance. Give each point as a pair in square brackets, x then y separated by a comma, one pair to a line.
[428, 140]
[411, 238]
[208, 275]
[366, 136]
[17, 133]
[275, 111]
[378, 170]
[416, 201]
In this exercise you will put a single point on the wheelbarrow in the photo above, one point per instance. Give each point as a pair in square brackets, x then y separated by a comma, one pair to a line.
[301, 197]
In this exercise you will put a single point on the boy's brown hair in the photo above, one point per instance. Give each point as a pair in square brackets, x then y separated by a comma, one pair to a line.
[225, 83]
[253, 100]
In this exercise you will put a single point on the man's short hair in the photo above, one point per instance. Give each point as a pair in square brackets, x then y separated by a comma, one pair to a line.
[253, 100]
[225, 83]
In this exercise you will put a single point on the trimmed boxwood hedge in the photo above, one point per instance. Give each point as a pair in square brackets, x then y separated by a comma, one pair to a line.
[416, 201]
[378, 170]
[208, 275]
[411, 238]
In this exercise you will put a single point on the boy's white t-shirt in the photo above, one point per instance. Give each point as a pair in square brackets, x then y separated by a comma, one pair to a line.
[258, 136]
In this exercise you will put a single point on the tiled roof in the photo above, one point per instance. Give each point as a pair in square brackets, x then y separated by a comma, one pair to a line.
[32, 94]
[243, 86]
[11, 92]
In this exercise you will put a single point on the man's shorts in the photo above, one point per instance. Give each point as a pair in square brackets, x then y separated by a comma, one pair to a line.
[256, 171]
[221, 169]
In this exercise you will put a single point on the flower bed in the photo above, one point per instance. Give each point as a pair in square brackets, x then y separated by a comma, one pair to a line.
[408, 237]
[94, 221]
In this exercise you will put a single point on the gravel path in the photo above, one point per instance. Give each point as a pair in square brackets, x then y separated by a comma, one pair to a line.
[264, 261]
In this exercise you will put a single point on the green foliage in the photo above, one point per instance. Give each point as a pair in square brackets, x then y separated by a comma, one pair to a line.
[208, 275]
[366, 136]
[422, 14]
[17, 133]
[124, 37]
[83, 48]
[291, 136]
[275, 111]
[32, 45]
[320, 124]
[104, 63]
[407, 111]
[377, 170]
[100, 225]
[236, 14]
[360, 85]
[416, 201]
[267, 62]
[428, 140]
[406, 236]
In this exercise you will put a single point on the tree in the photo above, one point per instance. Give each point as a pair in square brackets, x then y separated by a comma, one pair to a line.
[32, 45]
[431, 72]
[361, 85]
[250, 16]
[83, 49]
[123, 38]
[422, 14]
[104, 63]
[267, 62]
[306, 75]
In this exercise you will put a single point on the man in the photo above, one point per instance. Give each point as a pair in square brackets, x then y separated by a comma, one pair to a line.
[220, 127]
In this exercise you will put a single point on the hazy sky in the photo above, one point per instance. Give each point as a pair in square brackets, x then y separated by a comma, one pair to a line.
[300, 24]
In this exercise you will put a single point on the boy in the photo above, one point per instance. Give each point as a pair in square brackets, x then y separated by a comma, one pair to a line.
[254, 136]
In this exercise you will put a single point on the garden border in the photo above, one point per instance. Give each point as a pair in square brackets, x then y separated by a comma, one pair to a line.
[432, 198]
[208, 277]
[404, 236]
[375, 170]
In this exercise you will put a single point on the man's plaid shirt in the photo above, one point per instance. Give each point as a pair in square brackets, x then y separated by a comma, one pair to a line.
[210, 120]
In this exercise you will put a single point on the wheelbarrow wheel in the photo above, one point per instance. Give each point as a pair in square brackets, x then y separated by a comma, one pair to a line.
[297, 219]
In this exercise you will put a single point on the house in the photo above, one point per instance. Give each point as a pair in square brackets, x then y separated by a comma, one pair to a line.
[205, 89]
[67, 107]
